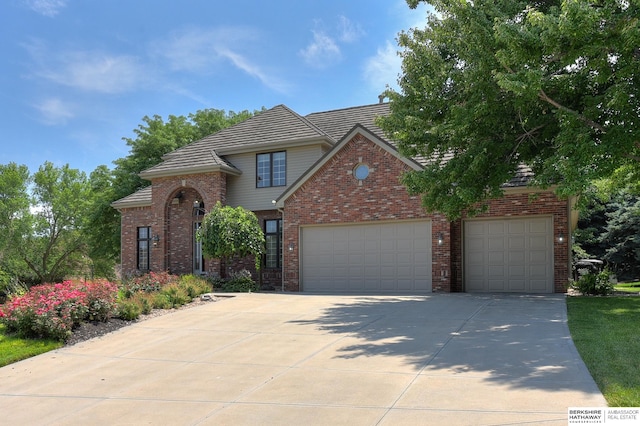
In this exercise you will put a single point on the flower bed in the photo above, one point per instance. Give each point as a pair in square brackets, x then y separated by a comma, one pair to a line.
[52, 310]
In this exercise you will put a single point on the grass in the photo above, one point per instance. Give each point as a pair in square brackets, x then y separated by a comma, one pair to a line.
[605, 332]
[14, 349]
[628, 287]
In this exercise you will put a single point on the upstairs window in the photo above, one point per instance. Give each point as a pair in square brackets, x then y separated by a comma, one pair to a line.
[271, 169]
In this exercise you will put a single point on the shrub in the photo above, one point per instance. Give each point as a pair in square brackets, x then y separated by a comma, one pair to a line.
[147, 283]
[47, 311]
[145, 301]
[129, 310]
[101, 300]
[239, 282]
[161, 301]
[52, 310]
[194, 286]
[176, 295]
[594, 283]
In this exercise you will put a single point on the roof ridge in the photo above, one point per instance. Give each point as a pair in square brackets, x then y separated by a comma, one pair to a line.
[307, 122]
[348, 108]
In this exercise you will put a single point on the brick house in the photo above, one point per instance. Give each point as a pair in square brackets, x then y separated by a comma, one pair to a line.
[326, 189]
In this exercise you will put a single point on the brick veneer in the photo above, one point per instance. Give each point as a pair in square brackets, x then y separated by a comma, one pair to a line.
[334, 195]
[331, 195]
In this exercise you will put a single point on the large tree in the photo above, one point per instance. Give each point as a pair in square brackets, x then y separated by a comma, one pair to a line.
[14, 206]
[490, 85]
[55, 248]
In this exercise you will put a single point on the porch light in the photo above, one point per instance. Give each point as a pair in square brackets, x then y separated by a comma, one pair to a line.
[291, 246]
[440, 239]
[561, 237]
[156, 240]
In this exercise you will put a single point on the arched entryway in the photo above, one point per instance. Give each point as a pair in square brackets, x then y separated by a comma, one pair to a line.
[185, 210]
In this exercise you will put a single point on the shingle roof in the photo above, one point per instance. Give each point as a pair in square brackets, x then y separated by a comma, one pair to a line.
[140, 198]
[278, 125]
[338, 122]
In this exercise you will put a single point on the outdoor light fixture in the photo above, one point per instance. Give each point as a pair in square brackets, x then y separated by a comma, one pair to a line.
[440, 239]
[291, 246]
[561, 238]
[198, 208]
[156, 240]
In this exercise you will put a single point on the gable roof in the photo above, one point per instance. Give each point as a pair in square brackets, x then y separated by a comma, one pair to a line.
[357, 129]
[340, 121]
[275, 128]
[140, 198]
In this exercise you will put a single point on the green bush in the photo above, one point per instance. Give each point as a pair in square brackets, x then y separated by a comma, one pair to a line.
[176, 295]
[145, 301]
[594, 284]
[161, 301]
[194, 286]
[129, 310]
[240, 282]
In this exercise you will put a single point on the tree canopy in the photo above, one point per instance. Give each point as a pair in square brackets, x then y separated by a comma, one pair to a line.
[227, 232]
[490, 85]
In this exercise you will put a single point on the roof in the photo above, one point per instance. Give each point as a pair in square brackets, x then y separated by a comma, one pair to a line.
[141, 198]
[276, 127]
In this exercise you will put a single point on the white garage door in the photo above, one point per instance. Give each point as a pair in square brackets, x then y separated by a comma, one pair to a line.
[509, 255]
[371, 258]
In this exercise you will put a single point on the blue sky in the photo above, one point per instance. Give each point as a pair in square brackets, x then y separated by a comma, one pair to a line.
[78, 75]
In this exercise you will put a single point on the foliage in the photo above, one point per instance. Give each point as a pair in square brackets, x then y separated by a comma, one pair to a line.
[150, 282]
[240, 282]
[55, 247]
[605, 332]
[52, 310]
[609, 229]
[129, 310]
[228, 232]
[590, 283]
[14, 206]
[14, 348]
[488, 86]
[154, 138]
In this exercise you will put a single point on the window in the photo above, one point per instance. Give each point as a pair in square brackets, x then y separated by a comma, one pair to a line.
[273, 240]
[271, 169]
[144, 247]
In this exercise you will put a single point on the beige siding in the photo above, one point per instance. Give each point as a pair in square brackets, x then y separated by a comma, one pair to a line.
[242, 191]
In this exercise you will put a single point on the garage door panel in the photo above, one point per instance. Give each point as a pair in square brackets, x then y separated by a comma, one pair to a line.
[510, 255]
[388, 257]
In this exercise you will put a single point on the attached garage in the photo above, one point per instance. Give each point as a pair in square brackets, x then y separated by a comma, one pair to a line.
[389, 257]
[509, 255]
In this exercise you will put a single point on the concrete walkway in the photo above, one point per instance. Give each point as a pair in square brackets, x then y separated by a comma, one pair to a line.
[277, 359]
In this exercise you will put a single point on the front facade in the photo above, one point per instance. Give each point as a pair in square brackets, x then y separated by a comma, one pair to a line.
[326, 190]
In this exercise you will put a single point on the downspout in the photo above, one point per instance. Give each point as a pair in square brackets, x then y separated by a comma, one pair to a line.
[281, 210]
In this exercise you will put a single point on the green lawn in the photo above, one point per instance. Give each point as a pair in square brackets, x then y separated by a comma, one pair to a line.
[628, 287]
[606, 332]
[13, 349]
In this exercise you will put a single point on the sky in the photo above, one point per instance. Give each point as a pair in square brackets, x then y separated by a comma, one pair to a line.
[78, 76]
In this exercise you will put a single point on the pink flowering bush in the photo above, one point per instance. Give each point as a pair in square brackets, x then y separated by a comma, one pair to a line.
[53, 310]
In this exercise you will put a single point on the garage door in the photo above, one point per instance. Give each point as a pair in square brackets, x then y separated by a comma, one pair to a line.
[509, 255]
[372, 258]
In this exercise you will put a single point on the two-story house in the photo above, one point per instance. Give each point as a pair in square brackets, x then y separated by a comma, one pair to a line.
[326, 189]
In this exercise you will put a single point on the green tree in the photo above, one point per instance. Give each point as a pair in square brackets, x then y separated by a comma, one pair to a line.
[55, 247]
[490, 85]
[14, 206]
[227, 232]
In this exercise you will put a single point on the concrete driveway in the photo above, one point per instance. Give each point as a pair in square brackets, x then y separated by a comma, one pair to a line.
[313, 359]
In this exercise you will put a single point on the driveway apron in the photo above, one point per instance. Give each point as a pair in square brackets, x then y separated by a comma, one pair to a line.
[275, 359]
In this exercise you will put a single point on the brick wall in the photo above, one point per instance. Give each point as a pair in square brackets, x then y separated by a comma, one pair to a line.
[522, 205]
[130, 220]
[334, 195]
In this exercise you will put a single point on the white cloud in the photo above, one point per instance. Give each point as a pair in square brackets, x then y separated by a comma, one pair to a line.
[54, 111]
[89, 71]
[383, 68]
[202, 50]
[48, 8]
[322, 51]
[348, 31]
